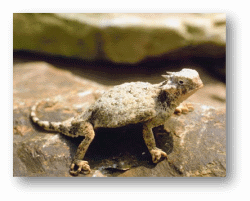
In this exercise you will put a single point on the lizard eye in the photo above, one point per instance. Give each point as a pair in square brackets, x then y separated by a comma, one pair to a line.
[181, 82]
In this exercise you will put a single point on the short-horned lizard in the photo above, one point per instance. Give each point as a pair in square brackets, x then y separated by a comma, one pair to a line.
[128, 103]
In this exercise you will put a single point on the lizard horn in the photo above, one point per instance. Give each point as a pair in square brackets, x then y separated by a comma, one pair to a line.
[169, 73]
[165, 76]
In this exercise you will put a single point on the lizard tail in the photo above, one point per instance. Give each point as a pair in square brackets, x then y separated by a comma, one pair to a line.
[46, 125]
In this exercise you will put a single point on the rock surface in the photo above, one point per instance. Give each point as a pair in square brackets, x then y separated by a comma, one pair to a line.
[121, 38]
[195, 142]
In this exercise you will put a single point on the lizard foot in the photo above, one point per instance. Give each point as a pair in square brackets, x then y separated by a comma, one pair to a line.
[184, 108]
[79, 166]
[157, 154]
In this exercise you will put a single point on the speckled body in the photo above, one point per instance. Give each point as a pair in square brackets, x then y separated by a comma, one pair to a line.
[129, 103]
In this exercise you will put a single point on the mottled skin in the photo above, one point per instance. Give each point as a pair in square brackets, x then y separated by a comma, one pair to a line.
[129, 103]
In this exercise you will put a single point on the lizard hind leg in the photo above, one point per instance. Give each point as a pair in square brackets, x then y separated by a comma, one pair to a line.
[79, 165]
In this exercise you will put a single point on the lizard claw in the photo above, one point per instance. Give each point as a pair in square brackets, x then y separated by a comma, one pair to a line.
[184, 108]
[82, 167]
[157, 154]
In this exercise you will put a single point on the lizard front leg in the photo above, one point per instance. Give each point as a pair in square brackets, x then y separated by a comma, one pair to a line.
[78, 165]
[149, 139]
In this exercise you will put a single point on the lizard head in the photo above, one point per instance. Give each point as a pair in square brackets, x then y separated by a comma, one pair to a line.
[182, 84]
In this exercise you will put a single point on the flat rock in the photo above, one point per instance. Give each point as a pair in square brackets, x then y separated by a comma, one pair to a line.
[195, 142]
[121, 38]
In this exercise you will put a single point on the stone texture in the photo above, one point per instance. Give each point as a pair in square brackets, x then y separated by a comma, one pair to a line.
[195, 142]
[121, 38]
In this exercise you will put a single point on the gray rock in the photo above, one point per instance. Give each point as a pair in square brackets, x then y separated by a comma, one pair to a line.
[199, 142]
[121, 38]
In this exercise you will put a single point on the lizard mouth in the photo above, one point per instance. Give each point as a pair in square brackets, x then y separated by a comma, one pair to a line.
[200, 86]
[190, 93]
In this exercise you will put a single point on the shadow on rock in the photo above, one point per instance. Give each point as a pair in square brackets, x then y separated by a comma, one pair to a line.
[116, 150]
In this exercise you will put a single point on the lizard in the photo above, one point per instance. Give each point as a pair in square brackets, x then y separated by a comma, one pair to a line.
[128, 103]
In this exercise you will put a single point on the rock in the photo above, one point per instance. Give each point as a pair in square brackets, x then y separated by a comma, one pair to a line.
[200, 142]
[121, 38]
[36, 151]
[195, 142]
